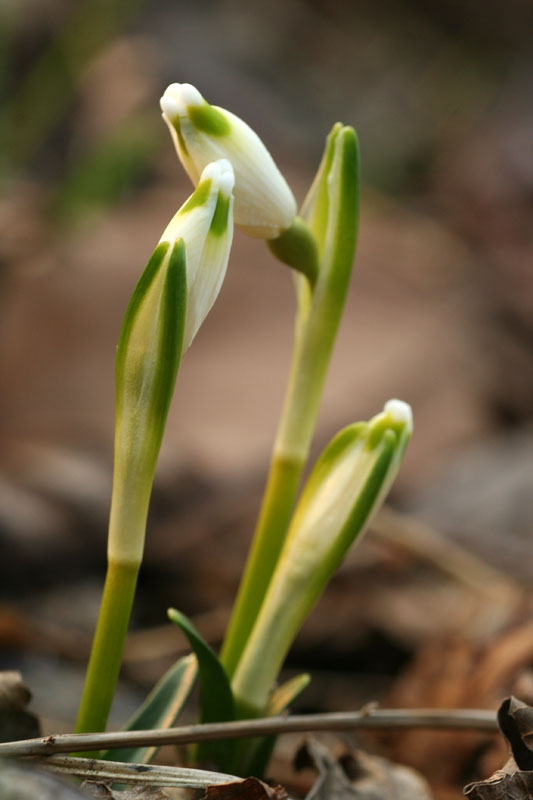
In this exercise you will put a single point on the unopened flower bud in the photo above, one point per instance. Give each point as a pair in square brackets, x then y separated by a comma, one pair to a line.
[205, 223]
[347, 485]
[172, 298]
[264, 204]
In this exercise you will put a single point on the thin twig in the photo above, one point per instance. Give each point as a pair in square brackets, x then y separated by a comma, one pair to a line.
[91, 768]
[342, 721]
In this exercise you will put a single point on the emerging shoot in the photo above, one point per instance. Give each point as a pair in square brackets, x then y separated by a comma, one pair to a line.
[347, 485]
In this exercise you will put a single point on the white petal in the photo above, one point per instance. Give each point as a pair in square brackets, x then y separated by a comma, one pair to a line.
[206, 254]
[264, 203]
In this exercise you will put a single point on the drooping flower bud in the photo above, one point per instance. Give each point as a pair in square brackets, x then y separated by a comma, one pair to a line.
[347, 485]
[264, 204]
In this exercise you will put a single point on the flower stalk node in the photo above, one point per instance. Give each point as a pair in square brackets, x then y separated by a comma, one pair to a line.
[297, 248]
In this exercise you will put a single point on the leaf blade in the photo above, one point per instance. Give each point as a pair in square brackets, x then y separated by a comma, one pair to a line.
[216, 696]
[160, 709]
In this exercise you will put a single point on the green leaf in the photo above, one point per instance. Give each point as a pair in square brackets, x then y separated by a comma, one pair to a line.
[316, 204]
[148, 357]
[278, 702]
[282, 696]
[161, 709]
[331, 210]
[149, 348]
[216, 697]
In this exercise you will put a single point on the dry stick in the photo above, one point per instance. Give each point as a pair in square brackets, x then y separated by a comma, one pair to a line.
[341, 721]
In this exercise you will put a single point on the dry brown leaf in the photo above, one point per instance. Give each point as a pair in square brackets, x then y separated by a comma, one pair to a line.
[516, 722]
[359, 776]
[249, 789]
[515, 780]
[501, 786]
[102, 791]
[15, 721]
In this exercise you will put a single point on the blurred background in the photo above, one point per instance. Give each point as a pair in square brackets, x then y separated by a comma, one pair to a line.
[434, 607]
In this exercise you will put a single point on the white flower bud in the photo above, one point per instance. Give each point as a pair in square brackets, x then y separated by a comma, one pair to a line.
[264, 204]
[172, 298]
[347, 485]
[205, 223]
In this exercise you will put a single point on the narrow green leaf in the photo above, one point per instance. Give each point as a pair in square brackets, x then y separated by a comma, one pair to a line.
[282, 696]
[316, 204]
[161, 709]
[343, 212]
[149, 348]
[148, 357]
[216, 697]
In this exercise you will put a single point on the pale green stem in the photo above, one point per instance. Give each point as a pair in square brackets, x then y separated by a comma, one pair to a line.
[274, 517]
[316, 331]
[127, 526]
[108, 645]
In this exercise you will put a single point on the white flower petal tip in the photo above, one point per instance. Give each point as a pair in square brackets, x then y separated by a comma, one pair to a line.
[205, 223]
[169, 107]
[400, 413]
[179, 97]
[221, 173]
[264, 204]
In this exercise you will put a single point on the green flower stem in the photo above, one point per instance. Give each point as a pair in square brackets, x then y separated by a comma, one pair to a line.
[274, 517]
[308, 372]
[319, 314]
[108, 645]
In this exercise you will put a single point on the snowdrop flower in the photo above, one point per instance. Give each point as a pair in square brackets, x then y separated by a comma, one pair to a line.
[264, 205]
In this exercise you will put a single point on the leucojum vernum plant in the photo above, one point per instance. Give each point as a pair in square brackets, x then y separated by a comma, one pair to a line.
[301, 536]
